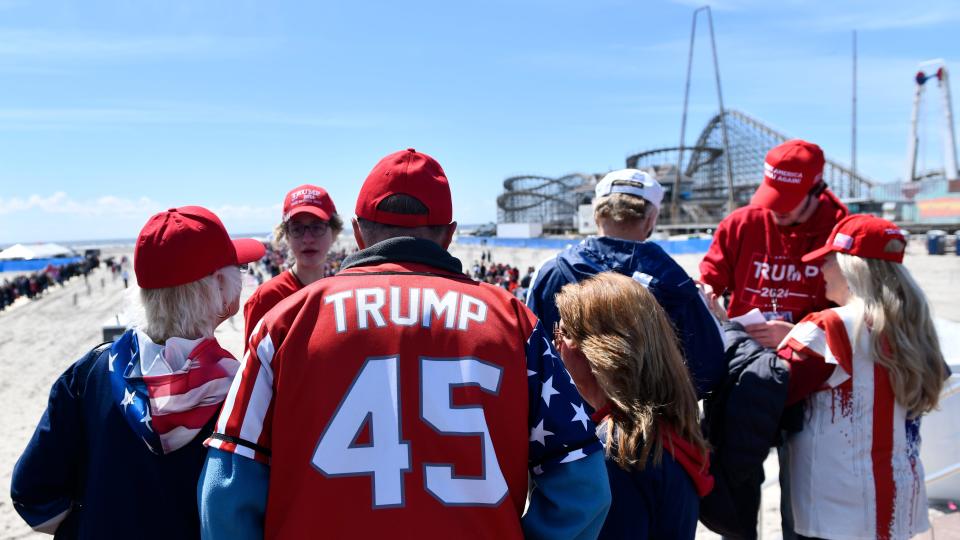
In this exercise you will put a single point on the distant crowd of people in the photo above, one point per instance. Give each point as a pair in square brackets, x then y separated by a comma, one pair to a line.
[278, 259]
[32, 286]
[501, 274]
[392, 393]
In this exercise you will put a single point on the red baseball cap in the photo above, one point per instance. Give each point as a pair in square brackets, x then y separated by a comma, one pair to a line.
[789, 173]
[411, 173]
[865, 236]
[184, 244]
[308, 199]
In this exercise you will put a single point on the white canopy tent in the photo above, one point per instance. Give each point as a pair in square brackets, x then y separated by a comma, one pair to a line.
[35, 251]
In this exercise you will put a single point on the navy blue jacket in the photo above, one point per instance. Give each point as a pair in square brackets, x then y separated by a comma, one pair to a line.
[678, 294]
[743, 420]
[659, 502]
[83, 457]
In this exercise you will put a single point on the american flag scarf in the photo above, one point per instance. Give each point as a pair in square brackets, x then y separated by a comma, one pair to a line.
[168, 411]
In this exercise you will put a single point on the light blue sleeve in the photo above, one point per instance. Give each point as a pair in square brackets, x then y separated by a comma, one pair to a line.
[232, 496]
[569, 501]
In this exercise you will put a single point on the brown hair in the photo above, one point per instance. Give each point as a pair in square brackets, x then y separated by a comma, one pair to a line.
[633, 353]
[621, 207]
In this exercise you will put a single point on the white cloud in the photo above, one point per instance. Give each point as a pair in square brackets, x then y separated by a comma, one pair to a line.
[245, 212]
[60, 216]
[737, 5]
[66, 47]
[109, 205]
[78, 118]
[61, 203]
[830, 15]
[889, 16]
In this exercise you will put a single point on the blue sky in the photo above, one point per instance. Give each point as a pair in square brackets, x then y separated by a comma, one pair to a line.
[113, 110]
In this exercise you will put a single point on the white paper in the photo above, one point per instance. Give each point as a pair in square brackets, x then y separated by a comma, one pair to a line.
[751, 317]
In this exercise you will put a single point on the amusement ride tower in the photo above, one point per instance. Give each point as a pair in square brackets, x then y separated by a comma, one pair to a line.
[949, 137]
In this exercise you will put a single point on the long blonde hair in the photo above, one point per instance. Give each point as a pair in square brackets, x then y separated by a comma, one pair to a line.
[901, 330]
[633, 353]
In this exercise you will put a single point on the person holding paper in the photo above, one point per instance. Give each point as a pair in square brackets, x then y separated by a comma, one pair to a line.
[756, 250]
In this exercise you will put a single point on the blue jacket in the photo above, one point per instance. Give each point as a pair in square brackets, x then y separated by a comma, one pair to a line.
[698, 331]
[86, 466]
[659, 502]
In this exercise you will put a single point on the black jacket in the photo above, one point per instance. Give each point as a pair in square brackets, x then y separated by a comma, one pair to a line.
[742, 422]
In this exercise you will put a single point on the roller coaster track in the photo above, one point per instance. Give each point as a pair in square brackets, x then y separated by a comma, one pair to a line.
[541, 199]
[554, 201]
[750, 139]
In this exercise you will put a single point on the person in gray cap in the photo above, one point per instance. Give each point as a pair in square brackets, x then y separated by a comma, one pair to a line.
[625, 209]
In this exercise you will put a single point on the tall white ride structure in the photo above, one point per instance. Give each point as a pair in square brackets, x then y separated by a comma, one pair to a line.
[949, 137]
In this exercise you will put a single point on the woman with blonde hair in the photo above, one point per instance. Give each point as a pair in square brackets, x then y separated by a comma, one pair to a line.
[622, 353]
[855, 468]
[119, 449]
[309, 227]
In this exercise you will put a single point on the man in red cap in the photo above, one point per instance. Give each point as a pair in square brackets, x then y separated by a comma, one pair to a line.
[400, 398]
[756, 252]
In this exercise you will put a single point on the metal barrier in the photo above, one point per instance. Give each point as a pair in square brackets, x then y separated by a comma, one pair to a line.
[950, 470]
[35, 264]
[673, 247]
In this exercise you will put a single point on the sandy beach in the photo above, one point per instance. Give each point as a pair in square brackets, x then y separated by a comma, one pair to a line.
[39, 339]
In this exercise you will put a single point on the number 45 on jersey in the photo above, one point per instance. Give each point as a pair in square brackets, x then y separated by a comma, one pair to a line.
[374, 398]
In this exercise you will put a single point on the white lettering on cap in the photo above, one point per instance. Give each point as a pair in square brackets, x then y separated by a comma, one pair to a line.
[305, 196]
[781, 175]
[632, 182]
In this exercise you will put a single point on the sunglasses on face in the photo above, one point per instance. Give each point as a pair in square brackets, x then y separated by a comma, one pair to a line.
[558, 334]
[297, 230]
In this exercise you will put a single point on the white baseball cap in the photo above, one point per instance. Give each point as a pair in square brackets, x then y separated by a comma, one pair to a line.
[641, 184]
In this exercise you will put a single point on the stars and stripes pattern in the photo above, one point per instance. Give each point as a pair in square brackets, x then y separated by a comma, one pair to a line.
[245, 424]
[168, 411]
[858, 444]
[560, 427]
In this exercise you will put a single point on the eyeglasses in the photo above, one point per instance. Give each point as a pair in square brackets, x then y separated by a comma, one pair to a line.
[297, 230]
[558, 334]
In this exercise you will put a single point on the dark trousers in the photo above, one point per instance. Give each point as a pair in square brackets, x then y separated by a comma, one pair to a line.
[786, 510]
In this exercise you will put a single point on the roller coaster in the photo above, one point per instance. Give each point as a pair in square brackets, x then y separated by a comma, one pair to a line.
[540, 199]
[703, 178]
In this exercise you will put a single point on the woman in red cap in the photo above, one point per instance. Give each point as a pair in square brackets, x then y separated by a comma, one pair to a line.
[630, 369]
[866, 372]
[309, 228]
[119, 449]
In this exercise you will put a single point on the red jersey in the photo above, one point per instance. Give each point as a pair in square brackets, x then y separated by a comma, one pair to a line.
[399, 399]
[264, 298]
[758, 261]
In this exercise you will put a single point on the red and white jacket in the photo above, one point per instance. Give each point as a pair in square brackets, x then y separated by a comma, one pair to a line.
[855, 469]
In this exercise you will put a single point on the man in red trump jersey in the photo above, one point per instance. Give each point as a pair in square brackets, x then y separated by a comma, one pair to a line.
[400, 398]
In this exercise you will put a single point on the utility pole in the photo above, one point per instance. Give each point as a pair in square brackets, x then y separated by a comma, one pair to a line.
[853, 143]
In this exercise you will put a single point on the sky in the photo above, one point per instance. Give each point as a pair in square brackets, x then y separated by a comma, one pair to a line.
[112, 110]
